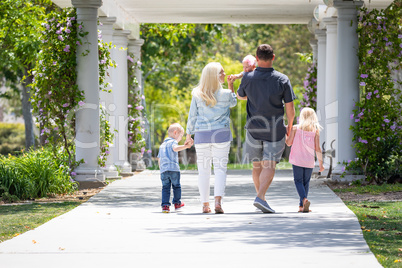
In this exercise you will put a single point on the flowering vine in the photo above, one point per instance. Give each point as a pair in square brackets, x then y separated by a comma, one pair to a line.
[56, 96]
[310, 87]
[377, 117]
[106, 134]
[135, 125]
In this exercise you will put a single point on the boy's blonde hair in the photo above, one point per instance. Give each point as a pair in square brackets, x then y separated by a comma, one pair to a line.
[308, 120]
[209, 83]
[175, 127]
[251, 60]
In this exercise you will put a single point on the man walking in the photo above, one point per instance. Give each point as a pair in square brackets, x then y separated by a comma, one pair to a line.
[267, 92]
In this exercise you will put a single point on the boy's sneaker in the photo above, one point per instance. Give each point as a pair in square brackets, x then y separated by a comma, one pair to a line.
[165, 209]
[178, 206]
[263, 205]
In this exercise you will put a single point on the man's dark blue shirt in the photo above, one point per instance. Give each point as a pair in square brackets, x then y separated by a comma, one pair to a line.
[266, 90]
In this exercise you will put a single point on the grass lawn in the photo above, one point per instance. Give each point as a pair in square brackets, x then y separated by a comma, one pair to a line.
[372, 189]
[382, 229]
[17, 219]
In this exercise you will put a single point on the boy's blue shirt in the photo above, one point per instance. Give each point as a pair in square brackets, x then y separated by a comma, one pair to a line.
[169, 159]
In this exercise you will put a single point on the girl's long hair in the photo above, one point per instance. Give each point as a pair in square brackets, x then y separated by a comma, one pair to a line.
[308, 120]
[209, 83]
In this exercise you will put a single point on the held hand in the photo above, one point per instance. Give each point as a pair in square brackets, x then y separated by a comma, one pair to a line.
[322, 168]
[189, 140]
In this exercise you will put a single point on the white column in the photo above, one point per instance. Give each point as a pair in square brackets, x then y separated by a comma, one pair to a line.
[347, 83]
[331, 98]
[321, 65]
[106, 99]
[120, 94]
[87, 118]
[314, 46]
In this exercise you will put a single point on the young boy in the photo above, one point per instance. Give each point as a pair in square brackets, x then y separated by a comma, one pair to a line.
[169, 166]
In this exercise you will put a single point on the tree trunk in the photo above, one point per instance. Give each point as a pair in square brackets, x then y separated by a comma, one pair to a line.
[26, 112]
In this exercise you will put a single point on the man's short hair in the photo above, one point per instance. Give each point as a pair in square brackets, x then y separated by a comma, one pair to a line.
[265, 52]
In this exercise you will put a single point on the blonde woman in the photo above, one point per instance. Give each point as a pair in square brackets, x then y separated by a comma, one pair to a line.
[208, 121]
[305, 141]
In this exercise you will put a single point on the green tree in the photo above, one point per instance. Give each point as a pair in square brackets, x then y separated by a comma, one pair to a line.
[19, 45]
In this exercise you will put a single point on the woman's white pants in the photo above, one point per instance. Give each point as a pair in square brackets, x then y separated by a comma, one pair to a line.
[218, 154]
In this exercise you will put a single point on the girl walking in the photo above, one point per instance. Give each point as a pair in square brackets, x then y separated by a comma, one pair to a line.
[305, 138]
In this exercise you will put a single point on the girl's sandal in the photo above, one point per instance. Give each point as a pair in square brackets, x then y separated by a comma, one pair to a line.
[206, 209]
[306, 206]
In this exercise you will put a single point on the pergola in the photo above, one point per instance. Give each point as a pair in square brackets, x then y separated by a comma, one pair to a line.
[334, 49]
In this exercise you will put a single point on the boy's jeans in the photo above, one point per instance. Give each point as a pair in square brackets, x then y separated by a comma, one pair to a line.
[170, 179]
[302, 177]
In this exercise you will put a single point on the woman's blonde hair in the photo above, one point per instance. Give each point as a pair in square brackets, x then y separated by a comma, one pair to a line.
[209, 83]
[308, 120]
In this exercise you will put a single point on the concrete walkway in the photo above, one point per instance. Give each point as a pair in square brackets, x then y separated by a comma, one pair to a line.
[123, 226]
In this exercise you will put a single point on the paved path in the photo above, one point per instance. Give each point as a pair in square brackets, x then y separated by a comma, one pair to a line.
[123, 226]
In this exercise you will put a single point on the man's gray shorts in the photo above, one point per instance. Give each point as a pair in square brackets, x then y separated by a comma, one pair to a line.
[256, 150]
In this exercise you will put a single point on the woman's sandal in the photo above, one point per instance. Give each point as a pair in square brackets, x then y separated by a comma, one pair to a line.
[206, 209]
[218, 209]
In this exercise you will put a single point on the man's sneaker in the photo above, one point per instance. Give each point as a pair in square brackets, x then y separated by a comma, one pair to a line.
[263, 205]
[178, 206]
[165, 209]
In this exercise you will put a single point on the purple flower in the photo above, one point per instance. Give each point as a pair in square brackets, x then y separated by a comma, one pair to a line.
[78, 43]
[67, 48]
[399, 35]
[357, 120]
[385, 39]
[80, 27]
[59, 31]
[377, 96]
[142, 150]
[73, 174]
[364, 141]
[130, 59]
[107, 152]
[386, 120]
[129, 106]
[388, 44]
[65, 105]
[376, 91]
[360, 114]
[60, 38]
[67, 30]
[370, 51]
[139, 108]
[103, 61]
[364, 75]
[343, 169]
[54, 63]
[149, 151]
[351, 116]
[139, 63]
[393, 127]
[72, 18]
[378, 138]
[50, 93]
[143, 97]
[81, 103]
[362, 84]
[369, 95]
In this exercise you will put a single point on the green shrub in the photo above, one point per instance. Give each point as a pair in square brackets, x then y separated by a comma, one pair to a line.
[34, 174]
[12, 138]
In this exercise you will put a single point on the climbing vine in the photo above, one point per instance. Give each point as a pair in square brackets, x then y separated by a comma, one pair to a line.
[310, 88]
[136, 128]
[56, 96]
[377, 117]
